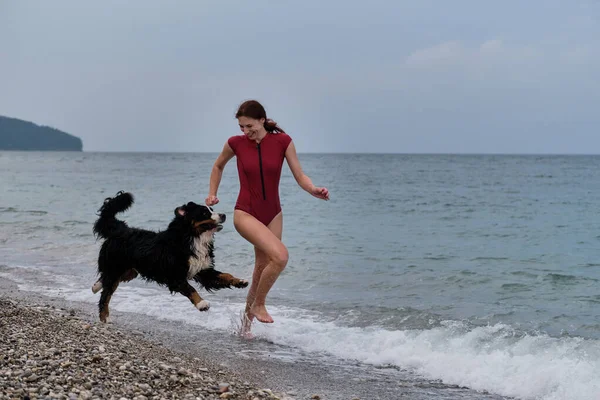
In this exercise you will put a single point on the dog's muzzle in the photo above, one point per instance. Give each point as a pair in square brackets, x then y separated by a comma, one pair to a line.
[214, 223]
[221, 219]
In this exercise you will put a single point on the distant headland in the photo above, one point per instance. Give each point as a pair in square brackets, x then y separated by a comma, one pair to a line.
[16, 134]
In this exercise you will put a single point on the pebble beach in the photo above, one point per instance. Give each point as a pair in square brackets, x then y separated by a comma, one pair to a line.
[47, 352]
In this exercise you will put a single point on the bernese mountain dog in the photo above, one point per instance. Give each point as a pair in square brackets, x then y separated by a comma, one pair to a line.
[183, 252]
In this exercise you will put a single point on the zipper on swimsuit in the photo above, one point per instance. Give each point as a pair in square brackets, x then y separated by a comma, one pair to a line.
[262, 179]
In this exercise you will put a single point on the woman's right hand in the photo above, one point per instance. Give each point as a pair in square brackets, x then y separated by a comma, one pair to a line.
[211, 200]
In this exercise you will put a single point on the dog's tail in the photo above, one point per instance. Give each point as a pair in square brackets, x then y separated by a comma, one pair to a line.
[107, 225]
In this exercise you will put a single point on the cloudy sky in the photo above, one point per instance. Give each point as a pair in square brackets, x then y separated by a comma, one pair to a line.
[397, 76]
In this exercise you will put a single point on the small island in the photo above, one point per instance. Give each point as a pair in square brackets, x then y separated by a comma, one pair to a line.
[16, 134]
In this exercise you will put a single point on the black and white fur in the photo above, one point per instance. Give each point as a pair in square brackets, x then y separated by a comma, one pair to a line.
[183, 252]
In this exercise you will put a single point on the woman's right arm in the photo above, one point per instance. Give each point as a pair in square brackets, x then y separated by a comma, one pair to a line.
[216, 173]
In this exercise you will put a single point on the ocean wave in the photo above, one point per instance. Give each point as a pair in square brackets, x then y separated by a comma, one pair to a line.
[16, 210]
[564, 279]
[515, 287]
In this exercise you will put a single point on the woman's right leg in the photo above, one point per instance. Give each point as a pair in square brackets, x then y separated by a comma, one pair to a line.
[260, 262]
[268, 244]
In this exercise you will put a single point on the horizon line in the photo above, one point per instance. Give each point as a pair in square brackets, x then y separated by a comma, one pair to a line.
[309, 152]
[355, 153]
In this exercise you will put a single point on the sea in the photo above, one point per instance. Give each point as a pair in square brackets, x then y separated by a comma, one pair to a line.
[425, 276]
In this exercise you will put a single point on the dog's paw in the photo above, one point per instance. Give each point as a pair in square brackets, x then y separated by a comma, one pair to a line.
[203, 305]
[96, 287]
[241, 283]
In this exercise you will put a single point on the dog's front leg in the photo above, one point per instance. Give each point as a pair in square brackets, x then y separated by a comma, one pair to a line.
[212, 279]
[188, 291]
[226, 279]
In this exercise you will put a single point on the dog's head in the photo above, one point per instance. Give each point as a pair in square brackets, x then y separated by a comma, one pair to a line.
[201, 218]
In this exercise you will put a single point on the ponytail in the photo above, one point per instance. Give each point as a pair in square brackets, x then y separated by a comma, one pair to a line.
[272, 127]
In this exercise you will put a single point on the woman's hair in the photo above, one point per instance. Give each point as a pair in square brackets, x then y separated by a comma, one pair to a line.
[253, 109]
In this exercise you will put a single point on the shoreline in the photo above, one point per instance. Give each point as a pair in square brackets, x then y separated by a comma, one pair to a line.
[55, 352]
[58, 349]
[254, 370]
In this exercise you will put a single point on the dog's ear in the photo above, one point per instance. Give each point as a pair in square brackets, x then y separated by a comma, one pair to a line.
[180, 211]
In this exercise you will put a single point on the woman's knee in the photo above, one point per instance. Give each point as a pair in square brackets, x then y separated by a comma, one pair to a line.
[280, 257]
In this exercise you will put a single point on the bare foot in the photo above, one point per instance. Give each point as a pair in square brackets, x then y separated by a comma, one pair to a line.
[261, 314]
[246, 325]
[247, 335]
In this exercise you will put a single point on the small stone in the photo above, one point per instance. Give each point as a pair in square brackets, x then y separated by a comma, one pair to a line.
[223, 387]
[145, 386]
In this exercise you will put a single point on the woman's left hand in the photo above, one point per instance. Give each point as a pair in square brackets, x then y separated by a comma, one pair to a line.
[320, 193]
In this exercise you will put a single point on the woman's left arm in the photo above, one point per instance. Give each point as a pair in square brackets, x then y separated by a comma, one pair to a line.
[303, 180]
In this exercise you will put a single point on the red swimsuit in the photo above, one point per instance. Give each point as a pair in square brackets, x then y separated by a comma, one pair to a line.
[259, 170]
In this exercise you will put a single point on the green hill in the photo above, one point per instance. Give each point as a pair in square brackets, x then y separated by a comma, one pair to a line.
[16, 134]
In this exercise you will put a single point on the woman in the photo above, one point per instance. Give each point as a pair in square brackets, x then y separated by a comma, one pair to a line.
[257, 217]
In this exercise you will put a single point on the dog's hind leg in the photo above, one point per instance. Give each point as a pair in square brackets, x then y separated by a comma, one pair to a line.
[97, 286]
[188, 291]
[105, 296]
[129, 275]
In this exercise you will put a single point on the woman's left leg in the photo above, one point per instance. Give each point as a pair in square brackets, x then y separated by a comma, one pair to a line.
[261, 260]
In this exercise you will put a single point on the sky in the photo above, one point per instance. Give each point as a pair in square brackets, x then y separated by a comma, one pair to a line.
[390, 76]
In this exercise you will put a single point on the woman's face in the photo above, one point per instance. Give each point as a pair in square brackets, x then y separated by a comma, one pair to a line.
[252, 128]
